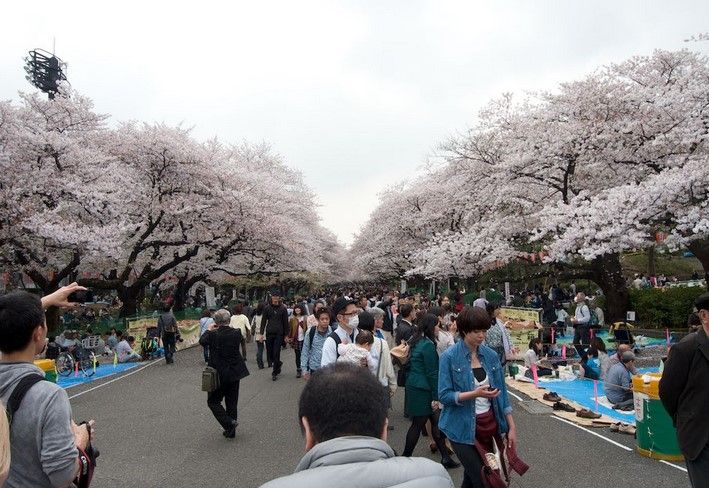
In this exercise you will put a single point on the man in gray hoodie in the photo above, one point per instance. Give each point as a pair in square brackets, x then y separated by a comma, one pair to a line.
[343, 415]
[44, 439]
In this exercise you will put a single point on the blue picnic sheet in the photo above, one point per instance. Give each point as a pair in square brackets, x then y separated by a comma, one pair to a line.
[102, 370]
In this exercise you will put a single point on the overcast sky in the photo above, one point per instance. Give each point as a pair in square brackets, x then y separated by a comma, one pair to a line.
[355, 94]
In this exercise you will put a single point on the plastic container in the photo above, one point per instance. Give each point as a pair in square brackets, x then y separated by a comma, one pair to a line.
[49, 367]
[656, 437]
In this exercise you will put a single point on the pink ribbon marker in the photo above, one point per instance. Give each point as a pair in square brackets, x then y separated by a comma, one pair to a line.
[667, 334]
[591, 331]
[563, 351]
[595, 393]
[535, 375]
[553, 334]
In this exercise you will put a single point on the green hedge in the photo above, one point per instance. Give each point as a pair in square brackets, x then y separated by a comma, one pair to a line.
[658, 308]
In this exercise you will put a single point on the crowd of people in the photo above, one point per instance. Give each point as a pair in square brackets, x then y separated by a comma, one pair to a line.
[353, 351]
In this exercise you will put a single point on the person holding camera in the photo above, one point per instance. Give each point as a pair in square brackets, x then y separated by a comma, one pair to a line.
[48, 448]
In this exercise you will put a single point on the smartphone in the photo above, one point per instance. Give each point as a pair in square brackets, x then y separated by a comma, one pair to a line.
[81, 296]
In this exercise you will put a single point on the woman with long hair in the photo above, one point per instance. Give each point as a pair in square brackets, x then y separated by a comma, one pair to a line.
[422, 388]
[471, 386]
[298, 325]
[259, 338]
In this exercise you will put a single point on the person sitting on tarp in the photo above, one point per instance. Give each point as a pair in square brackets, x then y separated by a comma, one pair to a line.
[595, 362]
[615, 358]
[618, 384]
[531, 357]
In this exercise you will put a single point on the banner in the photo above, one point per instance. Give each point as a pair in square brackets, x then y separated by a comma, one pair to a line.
[518, 313]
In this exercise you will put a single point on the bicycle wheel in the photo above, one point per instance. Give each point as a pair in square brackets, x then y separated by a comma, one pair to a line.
[64, 364]
[87, 363]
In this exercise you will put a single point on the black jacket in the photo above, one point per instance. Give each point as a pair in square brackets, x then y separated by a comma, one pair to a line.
[275, 321]
[388, 316]
[224, 355]
[684, 391]
[404, 332]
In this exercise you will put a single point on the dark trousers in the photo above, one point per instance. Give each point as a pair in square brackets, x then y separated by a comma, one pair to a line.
[699, 469]
[469, 457]
[418, 424]
[168, 343]
[228, 392]
[259, 354]
[273, 345]
[298, 350]
[205, 350]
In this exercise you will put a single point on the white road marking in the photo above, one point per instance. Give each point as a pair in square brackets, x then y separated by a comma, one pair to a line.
[673, 465]
[592, 433]
[116, 379]
[516, 396]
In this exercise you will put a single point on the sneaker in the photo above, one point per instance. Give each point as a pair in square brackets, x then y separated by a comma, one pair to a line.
[615, 427]
[565, 407]
[585, 413]
[230, 433]
[627, 429]
[552, 397]
[298, 374]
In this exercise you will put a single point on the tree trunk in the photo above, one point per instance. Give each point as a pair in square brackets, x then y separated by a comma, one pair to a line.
[700, 249]
[651, 260]
[129, 295]
[608, 274]
[182, 290]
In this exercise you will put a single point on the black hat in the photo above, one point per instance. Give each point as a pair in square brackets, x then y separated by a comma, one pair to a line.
[341, 304]
[276, 291]
[702, 302]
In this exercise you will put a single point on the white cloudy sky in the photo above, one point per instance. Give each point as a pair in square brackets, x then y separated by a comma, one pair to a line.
[355, 94]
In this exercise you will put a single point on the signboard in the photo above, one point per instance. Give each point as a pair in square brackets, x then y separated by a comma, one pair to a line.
[630, 316]
[209, 295]
[518, 313]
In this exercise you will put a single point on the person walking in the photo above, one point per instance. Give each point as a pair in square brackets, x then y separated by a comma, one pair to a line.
[685, 395]
[581, 322]
[297, 327]
[275, 325]
[224, 342]
[168, 331]
[476, 408]
[258, 336]
[422, 389]
[314, 341]
[240, 321]
[205, 322]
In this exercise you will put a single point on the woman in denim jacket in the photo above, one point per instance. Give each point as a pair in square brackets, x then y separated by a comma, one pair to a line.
[471, 388]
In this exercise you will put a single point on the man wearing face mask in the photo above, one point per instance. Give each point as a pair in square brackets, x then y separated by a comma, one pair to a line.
[346, 313]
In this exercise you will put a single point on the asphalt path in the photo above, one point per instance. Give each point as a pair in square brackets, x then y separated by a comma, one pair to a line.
[154, 430]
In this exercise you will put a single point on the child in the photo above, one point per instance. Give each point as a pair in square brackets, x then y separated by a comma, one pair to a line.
[358, 353]
[561, 316]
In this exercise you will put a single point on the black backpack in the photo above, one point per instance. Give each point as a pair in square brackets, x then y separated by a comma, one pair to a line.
[18, 394]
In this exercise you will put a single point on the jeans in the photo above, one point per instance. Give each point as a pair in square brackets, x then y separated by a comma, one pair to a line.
[228, 392]
[699, 469]
[259, 354]
[469, 457]
[168, 342]
[133, 357]
[274, 344]
[298, 350]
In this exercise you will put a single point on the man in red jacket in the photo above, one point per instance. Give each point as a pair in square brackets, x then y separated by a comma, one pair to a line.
[684, 392]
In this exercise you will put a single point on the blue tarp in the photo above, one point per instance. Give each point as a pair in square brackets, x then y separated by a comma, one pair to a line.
[581, 392]
[102, 371]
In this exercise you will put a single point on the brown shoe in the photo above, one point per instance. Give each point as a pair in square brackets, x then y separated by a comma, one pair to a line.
[585, 413]
[551, 397]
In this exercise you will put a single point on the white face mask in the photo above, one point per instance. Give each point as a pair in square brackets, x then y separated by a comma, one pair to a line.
[353, 322]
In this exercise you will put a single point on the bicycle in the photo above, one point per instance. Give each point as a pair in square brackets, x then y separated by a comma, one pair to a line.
[68, 359]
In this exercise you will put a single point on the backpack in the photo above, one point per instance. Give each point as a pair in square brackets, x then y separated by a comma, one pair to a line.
[170, 327]
[337, 340]
[19, 392]
[311, 334]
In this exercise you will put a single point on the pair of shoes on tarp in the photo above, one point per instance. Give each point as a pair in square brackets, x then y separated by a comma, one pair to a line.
[552, 396]
[565, 407]
[624, 408]
[585, 413]
[623, 428]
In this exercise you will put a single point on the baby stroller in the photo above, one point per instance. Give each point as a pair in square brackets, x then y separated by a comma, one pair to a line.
[150, 346]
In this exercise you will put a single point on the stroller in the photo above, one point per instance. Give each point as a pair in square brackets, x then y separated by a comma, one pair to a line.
[150, 345]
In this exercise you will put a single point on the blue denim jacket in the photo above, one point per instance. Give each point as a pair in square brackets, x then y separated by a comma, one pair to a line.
[455, 376]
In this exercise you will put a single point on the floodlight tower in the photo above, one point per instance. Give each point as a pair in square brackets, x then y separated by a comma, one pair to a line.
[45, 71]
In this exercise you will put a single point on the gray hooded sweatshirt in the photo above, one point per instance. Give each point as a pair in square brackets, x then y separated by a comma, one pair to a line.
[42, 442]
[362, 462]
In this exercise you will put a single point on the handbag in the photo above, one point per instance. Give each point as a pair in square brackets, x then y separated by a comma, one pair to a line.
[210, 379]
[400, 353]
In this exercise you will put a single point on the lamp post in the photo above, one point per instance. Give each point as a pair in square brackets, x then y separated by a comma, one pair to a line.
[44, 71]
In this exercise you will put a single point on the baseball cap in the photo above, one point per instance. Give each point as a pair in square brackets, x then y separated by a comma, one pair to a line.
[627, 356]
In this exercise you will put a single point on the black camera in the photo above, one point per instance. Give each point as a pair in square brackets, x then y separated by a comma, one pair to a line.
[81, 296]
[178, 338]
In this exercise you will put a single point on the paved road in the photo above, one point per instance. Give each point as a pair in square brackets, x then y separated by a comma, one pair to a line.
[155, 430]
